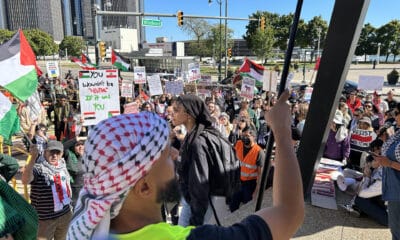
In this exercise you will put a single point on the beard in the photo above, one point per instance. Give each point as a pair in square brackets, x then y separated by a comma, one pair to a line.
[170, 193]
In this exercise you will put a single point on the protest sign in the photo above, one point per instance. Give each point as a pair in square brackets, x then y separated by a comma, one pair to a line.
[52, 69]
[174, 87]
[247, 90]
[139, 75]
[373, 83]
[194, 72]
[132, 107]
[205, 80]
[155, 87]
[270, 81]
[308, 94]
[127, 88]
[98, 95]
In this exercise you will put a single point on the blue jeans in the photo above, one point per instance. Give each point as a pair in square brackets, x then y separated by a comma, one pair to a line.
[394, 219]
[372, 209]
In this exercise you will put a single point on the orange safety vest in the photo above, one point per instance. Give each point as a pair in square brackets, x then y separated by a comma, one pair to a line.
[248, 166]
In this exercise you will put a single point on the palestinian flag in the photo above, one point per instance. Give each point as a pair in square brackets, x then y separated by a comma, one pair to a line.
[84, 74]
[113, 113]
[9, 121]
[86, 60]
[84, 66]
[18, 66]
[118, 61]
[252, 69]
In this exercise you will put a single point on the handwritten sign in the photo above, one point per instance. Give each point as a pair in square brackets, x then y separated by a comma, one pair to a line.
[205, 80]
[132, 107]
[52, 69]
[193, 72]
[247, 89]
[373, 83]
[174, 87]
[270, 81]
[98, 95]
[127, 88]
[139, 75]
[155, 87]
[308, 94]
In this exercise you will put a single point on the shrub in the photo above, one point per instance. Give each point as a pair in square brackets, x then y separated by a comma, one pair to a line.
[393, 77]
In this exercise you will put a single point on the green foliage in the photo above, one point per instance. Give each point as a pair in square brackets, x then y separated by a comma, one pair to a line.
[388, 36]
[393, 77]
[74, 45]
[41, 42]
[5, 35]
[264, 41]
[367, 41]
[217, 33]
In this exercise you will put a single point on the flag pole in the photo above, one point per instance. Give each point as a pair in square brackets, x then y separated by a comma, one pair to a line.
[282, 87]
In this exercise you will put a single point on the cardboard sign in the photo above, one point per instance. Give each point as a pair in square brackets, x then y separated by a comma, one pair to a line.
[52, 69]
[194, 72]
[247, 90]
[155, 87]
[373, 83]
[139, 75]
[270, 79]
[127, 88]
[174, 87]
[98, 95]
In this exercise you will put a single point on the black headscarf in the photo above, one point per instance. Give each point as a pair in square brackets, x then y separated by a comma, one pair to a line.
[196, 108]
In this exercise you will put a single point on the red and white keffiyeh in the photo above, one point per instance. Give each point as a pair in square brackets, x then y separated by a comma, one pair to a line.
[118, 152]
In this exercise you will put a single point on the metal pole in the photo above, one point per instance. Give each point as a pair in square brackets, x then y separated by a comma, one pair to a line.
[220, 41]
[226, 40]
[319, 40]
[282, 87]
[378, 54]
[96, 34]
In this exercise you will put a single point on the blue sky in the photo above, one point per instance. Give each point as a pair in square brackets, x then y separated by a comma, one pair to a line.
[379, 13]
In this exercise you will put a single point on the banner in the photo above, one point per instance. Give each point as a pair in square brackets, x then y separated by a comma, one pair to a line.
[174, 87]
[139, 75]
[360, 139]
[52, 69]
[373, 83]
[194, 72]
[248, 85]
[127, 88]
[98, 95]
[155, 87]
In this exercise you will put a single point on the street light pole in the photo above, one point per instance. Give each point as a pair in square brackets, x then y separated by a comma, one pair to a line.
[226, 40]
[220, 39]
[378, 54]
[319, 40]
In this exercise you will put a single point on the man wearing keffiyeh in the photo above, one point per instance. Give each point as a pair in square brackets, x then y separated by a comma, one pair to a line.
[130, 173]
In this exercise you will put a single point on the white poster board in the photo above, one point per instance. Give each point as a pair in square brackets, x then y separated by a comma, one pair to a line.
[98, 95]
[155, 87]
[139, 75]
[132, 107]
[308, 94]
[247, 89]
[270, 80]
[205, 80]
[194, 72]
[52, 69]
[127, 88]
[174, 87]
[373, 83]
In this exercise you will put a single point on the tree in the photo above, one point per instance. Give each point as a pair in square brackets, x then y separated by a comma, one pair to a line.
[262, 41]
[316, 29]
[198, 29]
[214, 37]
[74, 45]
[367, 42]
[5, 35]
[388, 35]
[253, 26]
[41, 42]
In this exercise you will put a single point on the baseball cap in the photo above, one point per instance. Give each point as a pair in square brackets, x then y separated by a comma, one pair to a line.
[366, 120]
[55, 145]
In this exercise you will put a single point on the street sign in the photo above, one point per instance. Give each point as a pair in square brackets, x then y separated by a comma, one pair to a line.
[151, 23]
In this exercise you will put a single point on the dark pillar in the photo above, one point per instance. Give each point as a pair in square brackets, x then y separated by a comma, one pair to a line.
[343, 33]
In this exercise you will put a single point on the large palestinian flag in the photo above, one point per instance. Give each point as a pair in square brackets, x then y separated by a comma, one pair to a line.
[84, 66]
[86, 60]
[252, 69]
[9, 121]
[18, 67]
[118, 61]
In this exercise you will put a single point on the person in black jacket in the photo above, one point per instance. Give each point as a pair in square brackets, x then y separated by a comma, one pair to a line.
[193, 169]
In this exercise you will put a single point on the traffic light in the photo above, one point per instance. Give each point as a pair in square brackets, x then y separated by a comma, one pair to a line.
[180, 18]
[102, 49]
[262, 23]
[229, 52]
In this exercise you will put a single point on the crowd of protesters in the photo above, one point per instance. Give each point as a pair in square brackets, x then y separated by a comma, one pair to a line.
[360, 121]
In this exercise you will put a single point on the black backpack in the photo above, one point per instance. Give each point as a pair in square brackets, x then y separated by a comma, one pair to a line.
[224, 166]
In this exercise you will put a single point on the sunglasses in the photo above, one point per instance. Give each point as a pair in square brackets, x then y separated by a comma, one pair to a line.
[368, 106]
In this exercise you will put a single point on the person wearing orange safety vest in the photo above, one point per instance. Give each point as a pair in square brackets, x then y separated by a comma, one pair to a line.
[251, 158]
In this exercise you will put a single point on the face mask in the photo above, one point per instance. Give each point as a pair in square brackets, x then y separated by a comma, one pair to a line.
[170, 193]
[246, 141]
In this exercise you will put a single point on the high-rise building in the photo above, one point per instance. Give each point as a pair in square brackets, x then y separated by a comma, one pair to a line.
[87, 19]
[42, 14]
[67, 17]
